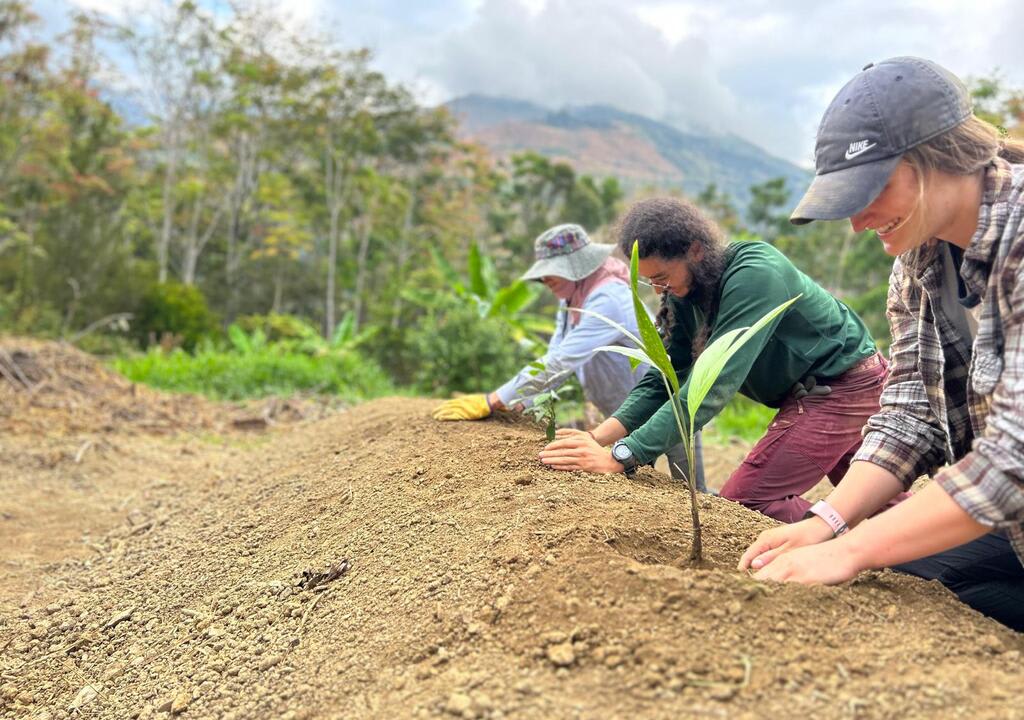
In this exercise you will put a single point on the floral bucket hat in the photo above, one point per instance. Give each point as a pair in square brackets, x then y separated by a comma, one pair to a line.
[566, 251]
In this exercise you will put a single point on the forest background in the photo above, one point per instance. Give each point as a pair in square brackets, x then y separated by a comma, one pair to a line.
[218, 205]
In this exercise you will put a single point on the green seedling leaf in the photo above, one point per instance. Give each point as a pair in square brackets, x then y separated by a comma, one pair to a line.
[636, 356]
[536, 367]
[712, 361]
[649, 334]
[609, 321]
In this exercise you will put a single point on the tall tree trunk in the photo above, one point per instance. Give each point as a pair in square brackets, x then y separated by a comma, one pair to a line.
[246, 174]
[167, 227]
[332, 271]
[335, 188]
[402, 259]
[361, 270]
[278, 287]
[196, 243]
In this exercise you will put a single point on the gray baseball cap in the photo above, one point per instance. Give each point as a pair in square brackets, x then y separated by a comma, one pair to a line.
[566, 251]
[884, 111]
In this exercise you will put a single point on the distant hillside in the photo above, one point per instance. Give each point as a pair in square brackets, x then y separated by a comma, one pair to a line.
[601, 140]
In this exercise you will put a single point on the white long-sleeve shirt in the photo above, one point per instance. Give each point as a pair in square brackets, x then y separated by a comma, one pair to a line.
[606, 377]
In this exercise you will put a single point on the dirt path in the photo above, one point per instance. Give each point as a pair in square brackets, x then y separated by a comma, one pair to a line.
[471, 582]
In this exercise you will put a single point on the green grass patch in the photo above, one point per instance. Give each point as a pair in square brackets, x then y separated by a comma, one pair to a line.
[230, 375]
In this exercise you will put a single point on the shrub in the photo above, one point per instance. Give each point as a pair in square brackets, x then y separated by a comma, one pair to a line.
[277, 326]
[452, 349]
[176, 311]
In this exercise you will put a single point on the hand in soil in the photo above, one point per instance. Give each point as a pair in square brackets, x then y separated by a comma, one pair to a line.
[827, 563]
[772, 543]
[577, 450]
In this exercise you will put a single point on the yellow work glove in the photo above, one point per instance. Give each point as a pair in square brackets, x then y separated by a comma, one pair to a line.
[467, 407]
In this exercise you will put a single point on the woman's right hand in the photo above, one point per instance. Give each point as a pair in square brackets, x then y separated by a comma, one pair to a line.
[772, 543]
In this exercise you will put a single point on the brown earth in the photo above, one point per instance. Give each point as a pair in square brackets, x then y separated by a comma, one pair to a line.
[158, 572]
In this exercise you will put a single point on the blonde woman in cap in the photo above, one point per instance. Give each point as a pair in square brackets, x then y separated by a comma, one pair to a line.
[900, 152]
[581, 274]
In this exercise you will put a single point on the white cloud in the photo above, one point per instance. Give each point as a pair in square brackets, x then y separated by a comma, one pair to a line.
[764, 69]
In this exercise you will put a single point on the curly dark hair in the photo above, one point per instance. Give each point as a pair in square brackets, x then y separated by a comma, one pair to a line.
[667, 228]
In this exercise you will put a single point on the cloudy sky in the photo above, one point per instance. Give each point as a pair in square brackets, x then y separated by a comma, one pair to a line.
[763, 70]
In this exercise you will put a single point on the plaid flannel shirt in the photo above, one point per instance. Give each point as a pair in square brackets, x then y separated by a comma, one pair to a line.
[946, 403]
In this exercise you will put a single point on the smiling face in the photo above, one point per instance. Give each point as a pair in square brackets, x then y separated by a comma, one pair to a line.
[561, 287]
[673, 275]
[896, 215]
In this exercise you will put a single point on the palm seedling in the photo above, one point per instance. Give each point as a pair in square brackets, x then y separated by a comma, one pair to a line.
[708, 366]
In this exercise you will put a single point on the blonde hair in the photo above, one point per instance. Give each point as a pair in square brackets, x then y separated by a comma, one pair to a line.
[965, 150]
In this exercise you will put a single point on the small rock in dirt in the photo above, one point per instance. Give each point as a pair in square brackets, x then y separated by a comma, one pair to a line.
[991, 643]
[114, 671]
[482, 703]
[525, 687]
[459, 704]
[84, 696]
[562, 654]
[180, 703]
[723, 692]
[119, 618]
[553, 638]
[269, 662]
[177, 704]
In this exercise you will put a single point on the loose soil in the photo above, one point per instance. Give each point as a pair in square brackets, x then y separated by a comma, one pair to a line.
[158, 558]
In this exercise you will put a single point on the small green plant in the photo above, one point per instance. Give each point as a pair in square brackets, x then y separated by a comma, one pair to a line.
[544, 408]
[708, 366]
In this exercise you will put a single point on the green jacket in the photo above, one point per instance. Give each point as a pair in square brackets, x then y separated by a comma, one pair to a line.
[818, 335]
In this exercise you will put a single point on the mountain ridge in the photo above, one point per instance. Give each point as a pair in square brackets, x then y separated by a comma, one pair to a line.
[603, 140]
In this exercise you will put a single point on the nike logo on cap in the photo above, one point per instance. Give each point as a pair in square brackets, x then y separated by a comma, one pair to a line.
[859, 148]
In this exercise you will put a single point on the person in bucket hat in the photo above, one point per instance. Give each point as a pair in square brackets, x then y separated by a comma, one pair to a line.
[583, 275]
[900, 152]
[816, 363]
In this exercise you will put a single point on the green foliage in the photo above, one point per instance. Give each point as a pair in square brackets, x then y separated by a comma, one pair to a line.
[454, 349]
[256, 371]
[173, 310]
[276, 326]
[741, 418]
[998, 104]
[546, 405]
[870, 306]
[471, 334]
[766, 212]
[297, 335]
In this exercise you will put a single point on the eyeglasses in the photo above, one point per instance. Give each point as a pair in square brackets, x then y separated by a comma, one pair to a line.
[659, 287]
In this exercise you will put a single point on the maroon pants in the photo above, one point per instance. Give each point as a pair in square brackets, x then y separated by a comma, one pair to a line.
[808, 439]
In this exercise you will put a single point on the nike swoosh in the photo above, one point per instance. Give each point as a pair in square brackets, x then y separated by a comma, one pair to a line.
[852, 155]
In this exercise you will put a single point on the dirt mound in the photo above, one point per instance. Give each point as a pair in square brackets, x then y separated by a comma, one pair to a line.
[379, 564]
[55, 389]
[52, 388]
